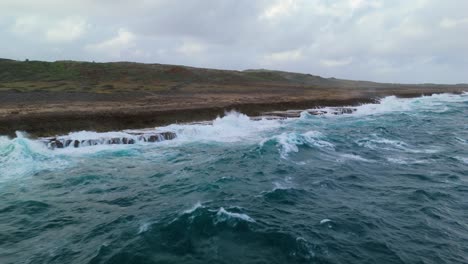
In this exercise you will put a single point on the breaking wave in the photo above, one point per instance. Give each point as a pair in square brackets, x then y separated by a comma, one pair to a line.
[233, 127]
[195, 230]
[376, 142]
[290, 142]
[435, 103]
[20, 157]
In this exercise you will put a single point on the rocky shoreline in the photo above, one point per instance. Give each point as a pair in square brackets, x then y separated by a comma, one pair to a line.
[50, 117]
[132, 138]
[154, 136]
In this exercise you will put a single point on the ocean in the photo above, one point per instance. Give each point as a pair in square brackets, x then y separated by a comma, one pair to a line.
[385, 184]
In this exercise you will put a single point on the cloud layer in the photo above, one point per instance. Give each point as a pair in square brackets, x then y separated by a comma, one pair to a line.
[391, 41]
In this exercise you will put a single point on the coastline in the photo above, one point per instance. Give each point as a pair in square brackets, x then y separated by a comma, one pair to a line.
[57, 113]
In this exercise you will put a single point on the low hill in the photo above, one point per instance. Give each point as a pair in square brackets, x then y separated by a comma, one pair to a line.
[74, 76]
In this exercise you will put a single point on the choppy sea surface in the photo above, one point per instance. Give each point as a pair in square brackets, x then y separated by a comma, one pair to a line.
[387, 184]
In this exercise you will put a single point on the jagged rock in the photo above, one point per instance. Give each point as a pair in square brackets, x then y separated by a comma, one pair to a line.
[323, 111]
[271, 117]
[317, 112]
[58, 144]
[168, 135]
[115, 141]
[133, 138]
[342, 110]
[283, 114]
[153, 138]
[54, 143]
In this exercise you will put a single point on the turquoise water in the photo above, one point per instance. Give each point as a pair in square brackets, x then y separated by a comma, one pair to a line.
[387, 184]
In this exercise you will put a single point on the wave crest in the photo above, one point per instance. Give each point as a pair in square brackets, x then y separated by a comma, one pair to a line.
[289, 142]
[21, 157]
[233, 127]
[192, 233]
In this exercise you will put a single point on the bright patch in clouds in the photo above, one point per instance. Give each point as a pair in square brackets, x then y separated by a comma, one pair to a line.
[66, 30]
[279, 8]
[115, 46]
[356, 4]
[336, 62]
[25, 25]
[59, 30]
[452, 23]
[284, 56]
[190, 48]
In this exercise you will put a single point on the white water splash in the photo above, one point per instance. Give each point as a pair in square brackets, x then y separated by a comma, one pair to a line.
[405, 161]
[20, 157]
[324, 221]
[354, 157]
[193, 208]
[375, 143]
[289, 142]
[435, 103]
[144, 227]
[91, 135]
[462, 159]
[233, 127]
[223, 215]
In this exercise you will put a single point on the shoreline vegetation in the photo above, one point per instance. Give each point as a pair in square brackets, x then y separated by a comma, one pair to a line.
[50, 98]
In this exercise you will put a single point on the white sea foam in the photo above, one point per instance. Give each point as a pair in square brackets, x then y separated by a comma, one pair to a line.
[281, 186]
[233, 127]
[223, 215]
[91, 135]
[462, 159]
[193, 208]
[144, 227]
[405, 161]
[353, 157]
[434, 103]
[91, 150]
[289, 142]
[324, 221]
[21, 157]
[461, 140]
[374, 142]
[381, 143]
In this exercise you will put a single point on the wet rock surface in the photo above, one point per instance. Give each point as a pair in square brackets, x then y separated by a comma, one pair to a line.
[297, 113]
[132, 138]
[149, 135]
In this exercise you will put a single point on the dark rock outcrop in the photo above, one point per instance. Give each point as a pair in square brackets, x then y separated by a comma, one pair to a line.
[132, 138]
[297, 113]
[135, 136]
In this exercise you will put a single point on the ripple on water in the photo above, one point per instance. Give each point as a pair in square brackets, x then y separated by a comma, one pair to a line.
[188, 237]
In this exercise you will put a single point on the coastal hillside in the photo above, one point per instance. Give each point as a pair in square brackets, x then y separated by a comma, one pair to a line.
[46, 98]
[74, 76]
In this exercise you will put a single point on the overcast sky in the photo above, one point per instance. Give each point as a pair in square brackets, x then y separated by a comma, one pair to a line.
[380, 40]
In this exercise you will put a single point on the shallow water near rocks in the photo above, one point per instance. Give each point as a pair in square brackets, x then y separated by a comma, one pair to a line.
[386, 184]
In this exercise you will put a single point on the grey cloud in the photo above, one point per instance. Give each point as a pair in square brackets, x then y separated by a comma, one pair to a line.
[393, 41]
